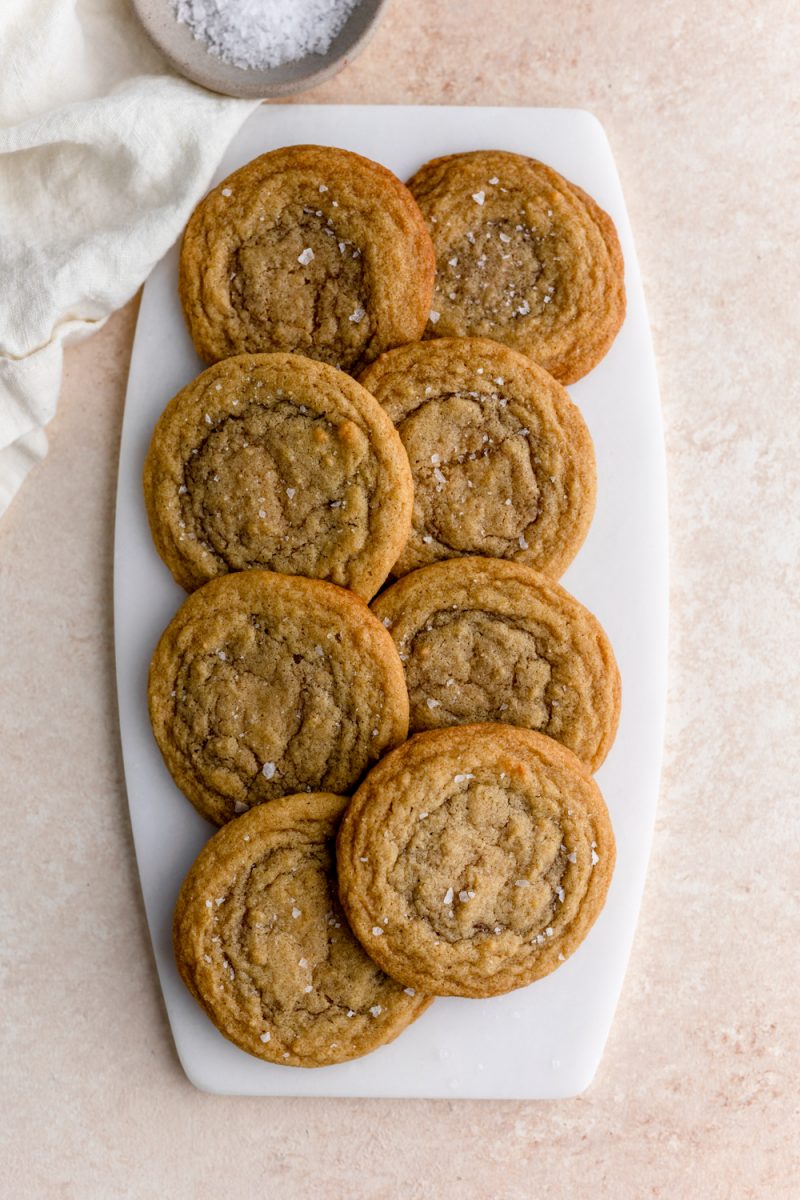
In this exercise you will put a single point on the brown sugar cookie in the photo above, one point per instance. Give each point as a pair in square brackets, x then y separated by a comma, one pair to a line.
[275, 461]
[474, 860]
[486, 640]
[502, 461]
[262, 944]
[267, 684]
[522, 256]
[310, 250]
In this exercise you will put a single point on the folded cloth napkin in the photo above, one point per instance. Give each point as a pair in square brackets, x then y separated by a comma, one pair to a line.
[103, 153]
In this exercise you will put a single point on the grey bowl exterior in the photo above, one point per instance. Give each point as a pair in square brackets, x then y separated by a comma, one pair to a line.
[190, 56]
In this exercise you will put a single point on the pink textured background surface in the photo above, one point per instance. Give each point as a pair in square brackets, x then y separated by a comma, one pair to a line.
[697, 1094]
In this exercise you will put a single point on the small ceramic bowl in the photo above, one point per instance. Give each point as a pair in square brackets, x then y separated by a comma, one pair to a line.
[191, 58]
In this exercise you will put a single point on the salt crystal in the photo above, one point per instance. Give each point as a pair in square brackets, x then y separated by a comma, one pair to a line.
[268, 770]
[434, 316]
[377, 931]
[376, 1010]
[357, 316]
[308, 988]
[322, 187]
[504, 238]
[462, 778]
[523, 545]
[306, 256]
[387, 622]
[409, 991]
[431, 703]
[266, 34]
[427, 539]
[296, 913]
[595, 858]
[265, 1037]
[435, 459]
[448, 896]
[479, 197]
[572, 857]
[494, 181]
[290, 492]
[522, 883]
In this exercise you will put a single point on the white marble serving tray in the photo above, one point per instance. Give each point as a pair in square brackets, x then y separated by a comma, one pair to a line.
[544, 1041]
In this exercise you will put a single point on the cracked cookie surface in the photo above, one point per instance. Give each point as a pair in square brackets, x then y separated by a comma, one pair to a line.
[266, 684]
[522, 256]
[502, 461]
[275, 461]
[310, 250]
[474, 860]
[486, 640]
[262, 944]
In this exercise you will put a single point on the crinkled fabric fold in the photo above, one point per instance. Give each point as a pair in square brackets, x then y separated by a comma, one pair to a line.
[103, 154]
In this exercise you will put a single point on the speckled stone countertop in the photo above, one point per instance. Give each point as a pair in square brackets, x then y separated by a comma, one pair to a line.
[697, 1093]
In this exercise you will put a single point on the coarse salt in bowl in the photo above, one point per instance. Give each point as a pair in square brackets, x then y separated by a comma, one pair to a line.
[259, 48]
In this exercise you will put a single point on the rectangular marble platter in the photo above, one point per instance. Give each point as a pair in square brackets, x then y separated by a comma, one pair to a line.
[544, 1041]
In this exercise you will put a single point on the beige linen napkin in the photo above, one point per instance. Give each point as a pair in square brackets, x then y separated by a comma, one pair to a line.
[103, 153]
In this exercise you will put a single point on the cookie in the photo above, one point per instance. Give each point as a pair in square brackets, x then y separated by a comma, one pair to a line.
[278, 462]
[262, 944]
[487, 640]
[266, 684]
[502, 461]
[474, 860]
[310, 250]
[522, 256]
